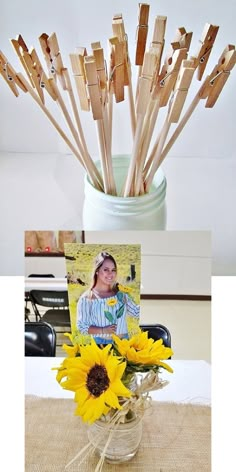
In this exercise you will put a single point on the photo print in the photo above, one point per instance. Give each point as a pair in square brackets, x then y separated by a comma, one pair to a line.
[104, 290]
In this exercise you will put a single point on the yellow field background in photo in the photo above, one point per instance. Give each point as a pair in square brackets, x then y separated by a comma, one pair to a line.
[80, 262]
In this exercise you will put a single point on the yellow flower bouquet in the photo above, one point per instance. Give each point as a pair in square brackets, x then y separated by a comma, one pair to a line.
[112, 385]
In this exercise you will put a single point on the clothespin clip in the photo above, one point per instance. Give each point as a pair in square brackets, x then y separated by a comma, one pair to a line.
[33, 67]
[117, 68]
[10, 76]
[206, 44]
[142, 32]
[119, 32]
[182, 85]
[51, 51]
[182, 39]
[145, 82]
[168, 76]
[21, 49]
[220, 75]
[77, 64]
[101, 68]
[93, 87]
[158, 41]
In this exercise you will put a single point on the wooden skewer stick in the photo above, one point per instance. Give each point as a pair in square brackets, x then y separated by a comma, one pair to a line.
[211, 86]
[163, 88]
[144, 95]
[156, 47]
[82, 146]
[175, 107]
[102, 75]
[34, 95]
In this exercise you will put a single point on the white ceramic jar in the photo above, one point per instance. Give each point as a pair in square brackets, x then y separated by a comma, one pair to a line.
[108, 212]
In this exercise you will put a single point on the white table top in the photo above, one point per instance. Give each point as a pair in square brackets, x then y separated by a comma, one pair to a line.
[190, 382]
[45, 283]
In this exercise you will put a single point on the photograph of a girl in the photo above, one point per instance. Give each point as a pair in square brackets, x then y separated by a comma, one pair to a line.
[110, 301]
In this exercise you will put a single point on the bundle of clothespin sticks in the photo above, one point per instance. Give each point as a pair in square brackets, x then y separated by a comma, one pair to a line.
[161, 83]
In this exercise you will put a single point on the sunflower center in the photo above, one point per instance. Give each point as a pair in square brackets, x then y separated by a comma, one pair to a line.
[97, 380]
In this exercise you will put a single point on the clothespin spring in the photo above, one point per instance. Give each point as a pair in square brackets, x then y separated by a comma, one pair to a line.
[5, 68]
[114, 69]
[203, 58]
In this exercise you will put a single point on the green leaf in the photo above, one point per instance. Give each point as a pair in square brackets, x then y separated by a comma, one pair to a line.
[120, 312]
[120, 296]
[109, 316]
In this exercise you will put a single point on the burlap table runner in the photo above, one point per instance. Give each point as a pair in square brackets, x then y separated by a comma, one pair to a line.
[176, 438]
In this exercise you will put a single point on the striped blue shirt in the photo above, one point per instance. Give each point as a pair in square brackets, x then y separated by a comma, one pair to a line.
[91, 312]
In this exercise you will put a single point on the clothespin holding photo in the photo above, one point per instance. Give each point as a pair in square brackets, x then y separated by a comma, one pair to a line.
[10, 76]
[206, 44]
[77, 64]
[51, 51]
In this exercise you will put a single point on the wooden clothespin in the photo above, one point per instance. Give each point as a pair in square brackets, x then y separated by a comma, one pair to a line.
[206, 44]
[20, 47]
[117, 72]
[142, 32]
[77, 64]
[168, 75]
[98, 54]
[158, 39]
[32, 67]
[93, 87]
[10, 76]
[182, 39]
[119, 32]
[51, 51]
[220, 75]
[181, 90]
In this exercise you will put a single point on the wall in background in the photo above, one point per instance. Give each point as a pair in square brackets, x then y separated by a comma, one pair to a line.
[173, 262]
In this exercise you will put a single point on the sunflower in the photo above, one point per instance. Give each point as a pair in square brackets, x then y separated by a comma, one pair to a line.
[141, 350]
[124, 289]
[95, 377]
[111, 302]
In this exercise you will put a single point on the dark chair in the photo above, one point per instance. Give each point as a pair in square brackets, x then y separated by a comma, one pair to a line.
[57, 302]
[27, 298]
[158, 331]
[40, 339]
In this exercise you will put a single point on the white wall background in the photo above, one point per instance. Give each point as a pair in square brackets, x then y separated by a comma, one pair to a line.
[172, 263]
[42, 188]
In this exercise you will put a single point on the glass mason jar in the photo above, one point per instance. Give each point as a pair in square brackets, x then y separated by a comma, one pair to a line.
[123, 439]
[107, 212]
